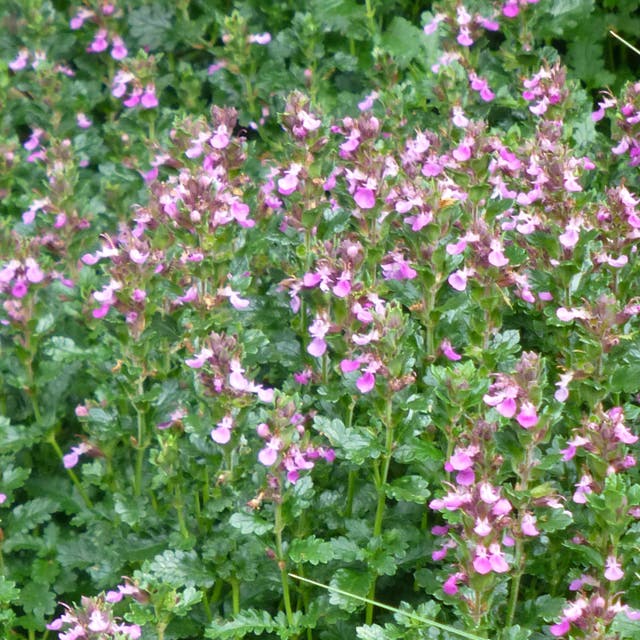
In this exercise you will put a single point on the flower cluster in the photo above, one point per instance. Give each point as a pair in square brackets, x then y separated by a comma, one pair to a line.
[626, 122]
[594, 609]
[221, 370]
[286, 446]
[104, 34]
[93, 620]
[512, 395]
[605, 437]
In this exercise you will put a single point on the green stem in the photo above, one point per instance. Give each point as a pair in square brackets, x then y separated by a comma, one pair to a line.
[235, 595]
[371, 13]
[353, 473]
[515, 585]
[141, 424]
[179, 506]
[284, 578]
[205, 486]
[380, 476]
[139, 454]
[351, 490]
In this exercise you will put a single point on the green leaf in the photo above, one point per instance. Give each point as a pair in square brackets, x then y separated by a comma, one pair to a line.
[555, 520]
[150, 24]
[8, 591]
[26, 516]
[356, 444]
[625, 378]
[37, 600]
[345, 16]
[15, 437]
[179, 568]
[63, 349]
[409, 489]
[374, 632]
[250, 523]
[403, 41]
[351, 581]
[246, 622]
[625, 628]
[312, 550]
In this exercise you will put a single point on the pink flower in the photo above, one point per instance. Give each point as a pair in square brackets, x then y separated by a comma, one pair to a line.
[528, 525]
[118, 50]
[497, 560]
[148, 99]
[481, 562]
[318, 330]
[528, 416]
[458, 279]
[450, 586]
[221, 137]
[464, 37]
[482, 527]
[20, 61]
[366, 382]
[365, 198]
[289, 182]
[70, 460]
[222, 433]
[199, 360]
[367, 103]
[99, 43]
[613, 571]
[82, 121]
[269, 454]
[398, 269]
[260, 38]
[560, 628]
[461, 460]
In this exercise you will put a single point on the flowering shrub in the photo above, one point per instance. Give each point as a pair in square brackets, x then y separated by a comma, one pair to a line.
[340, 295]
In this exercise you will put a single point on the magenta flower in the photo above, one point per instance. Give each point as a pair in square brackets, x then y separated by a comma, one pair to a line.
[148, 99]
[99, 43]
[450, 585]
[527, 417]
[560, 628]
[365, 198]
[448, 351]
[118, 50]
[366, 382]
[318, 330]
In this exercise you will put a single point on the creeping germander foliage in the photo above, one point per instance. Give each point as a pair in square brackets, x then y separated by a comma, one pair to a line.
[319, 320]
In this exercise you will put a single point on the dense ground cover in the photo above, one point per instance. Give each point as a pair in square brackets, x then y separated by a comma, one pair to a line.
[310, 305]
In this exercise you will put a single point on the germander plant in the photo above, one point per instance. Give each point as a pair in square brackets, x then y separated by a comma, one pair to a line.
[357, 339]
